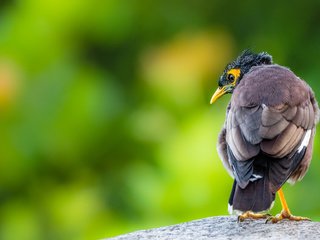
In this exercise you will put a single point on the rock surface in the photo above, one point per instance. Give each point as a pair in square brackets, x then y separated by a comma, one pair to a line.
[226, 227]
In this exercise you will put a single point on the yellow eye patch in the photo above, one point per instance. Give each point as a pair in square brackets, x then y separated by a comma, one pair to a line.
[235, 72]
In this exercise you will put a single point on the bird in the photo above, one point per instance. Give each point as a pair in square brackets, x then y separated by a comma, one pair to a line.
[267, 137]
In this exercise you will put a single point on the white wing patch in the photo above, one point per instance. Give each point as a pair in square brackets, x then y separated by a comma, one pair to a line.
[305, 141]
[254, 177]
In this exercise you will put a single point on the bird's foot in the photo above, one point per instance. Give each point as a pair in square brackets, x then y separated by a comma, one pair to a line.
[252, 215]
[286, 215]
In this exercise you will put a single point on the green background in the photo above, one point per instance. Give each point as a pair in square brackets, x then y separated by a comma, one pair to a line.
[105, 122]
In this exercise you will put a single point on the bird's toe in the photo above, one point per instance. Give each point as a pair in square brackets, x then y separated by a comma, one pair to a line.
[252, 215]
[285, 215]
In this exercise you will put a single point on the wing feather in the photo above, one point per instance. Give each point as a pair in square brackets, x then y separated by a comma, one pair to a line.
[265, 129]
[270, 130]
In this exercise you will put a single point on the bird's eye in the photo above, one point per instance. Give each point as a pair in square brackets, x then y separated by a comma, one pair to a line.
[230, 77]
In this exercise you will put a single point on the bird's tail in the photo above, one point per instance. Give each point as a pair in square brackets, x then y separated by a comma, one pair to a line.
[256, 196]
[268, 175]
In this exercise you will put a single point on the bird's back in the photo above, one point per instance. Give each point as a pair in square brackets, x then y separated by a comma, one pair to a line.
[269, 129]
[271, 85]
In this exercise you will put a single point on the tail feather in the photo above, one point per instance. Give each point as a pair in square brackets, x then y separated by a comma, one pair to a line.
[256, 197]
[256, 190]
[230, 203]
[268, 175]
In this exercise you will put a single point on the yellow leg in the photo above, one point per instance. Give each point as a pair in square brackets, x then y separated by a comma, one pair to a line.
[285, 213]
[283, 202]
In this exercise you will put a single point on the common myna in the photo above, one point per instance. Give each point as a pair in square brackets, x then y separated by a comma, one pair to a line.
[268, 134]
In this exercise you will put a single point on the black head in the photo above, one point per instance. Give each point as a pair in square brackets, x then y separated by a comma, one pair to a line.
[235, 70]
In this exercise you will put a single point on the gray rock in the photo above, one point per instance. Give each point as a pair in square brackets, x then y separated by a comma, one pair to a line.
[226, 227]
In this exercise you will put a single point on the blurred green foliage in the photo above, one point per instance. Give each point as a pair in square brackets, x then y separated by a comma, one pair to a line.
[105, 120]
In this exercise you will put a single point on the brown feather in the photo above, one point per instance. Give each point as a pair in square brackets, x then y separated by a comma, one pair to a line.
[302, 169]
[289, 113]
[268, 116]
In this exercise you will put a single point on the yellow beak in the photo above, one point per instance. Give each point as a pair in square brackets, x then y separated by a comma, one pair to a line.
[218, 93]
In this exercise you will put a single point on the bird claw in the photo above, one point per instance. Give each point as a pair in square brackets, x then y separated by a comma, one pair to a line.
[285, 215]
[252, 215]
